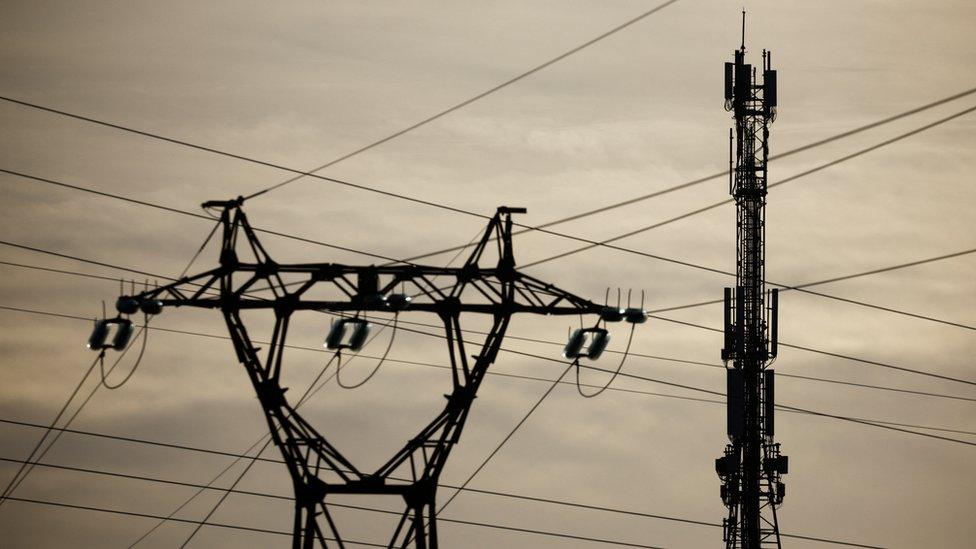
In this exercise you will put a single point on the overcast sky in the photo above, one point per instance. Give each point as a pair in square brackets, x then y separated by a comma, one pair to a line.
[303, 83]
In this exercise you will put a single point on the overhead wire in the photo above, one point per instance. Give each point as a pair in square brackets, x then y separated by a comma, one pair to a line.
[620, 367]
[590, 243]
[470, 100]
[693, 182]
[130, 200]
[511, 375]
[607, 242]
[835, 355]
[536, 340]
[37, 452]
[176, 519]
[40, 442]
[564, 503]
[833, 279]
[104, 264]
[351, 542]
[809, 349]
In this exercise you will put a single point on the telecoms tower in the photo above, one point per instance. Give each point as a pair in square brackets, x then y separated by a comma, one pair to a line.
[752, 466]
[247, 282]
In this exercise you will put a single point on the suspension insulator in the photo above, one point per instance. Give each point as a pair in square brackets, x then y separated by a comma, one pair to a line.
[611, 314]
[398, 302]
[634, 315]
[357, 328]
[151, 306]
[127, 305]
[118, 330]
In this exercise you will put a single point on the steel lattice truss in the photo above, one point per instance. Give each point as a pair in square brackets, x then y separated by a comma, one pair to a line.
[751, 466]
[318, 469]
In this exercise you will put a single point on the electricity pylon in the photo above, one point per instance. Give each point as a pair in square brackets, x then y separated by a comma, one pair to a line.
[318, 470]
[752, 466]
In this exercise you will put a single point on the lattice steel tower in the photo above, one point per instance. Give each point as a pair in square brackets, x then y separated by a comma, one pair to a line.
[752, 466]
[248, 281]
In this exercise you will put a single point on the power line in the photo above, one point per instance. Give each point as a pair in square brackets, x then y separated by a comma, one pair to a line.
[469, 100]
[589, 243]
[592, 244]
[185, 521]
[606, 242]
[505, 440]
[549, 501]
[828, 353]
[717, 175]
[170, 209]
[834, 279]
[727, 273]
[809, 349]
[519, 338]
[547, 380]
[363, 543]
[17, 475]
[39, 453]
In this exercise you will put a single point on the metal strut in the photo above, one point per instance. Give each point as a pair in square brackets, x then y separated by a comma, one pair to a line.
[317, 469]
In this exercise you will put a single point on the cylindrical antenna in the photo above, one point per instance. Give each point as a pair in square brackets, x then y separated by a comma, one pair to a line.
[743, 47]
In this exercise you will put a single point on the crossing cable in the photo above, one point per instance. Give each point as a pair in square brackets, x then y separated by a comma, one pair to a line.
[450, 208]
[466, 102]
[828, 353]
[562, 503]
[22, 474]
[834, 279]
[505, 440]
[591, 245]
[409, 261]
[717, 393]
[251, 459]
[38, 453]
[185, 521]
[47, 431]
[533, 378]
[809, 349]
[717, 175]
[363, 543]
[513, 337]
[789, 179]
[188, 213]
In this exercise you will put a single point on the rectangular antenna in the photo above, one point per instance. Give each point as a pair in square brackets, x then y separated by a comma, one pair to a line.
[740, 318]
[769, 404]
[727, 350]
[729, 70]
[774, 323]
[734, 390]
[769, 88]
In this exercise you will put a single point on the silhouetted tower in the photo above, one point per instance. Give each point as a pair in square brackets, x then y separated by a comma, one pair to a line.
[752, 466]
[247, 282]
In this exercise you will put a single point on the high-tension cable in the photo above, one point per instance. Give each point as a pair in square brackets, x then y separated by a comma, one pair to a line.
[267, 495]
[541, 379]
[809, 349]
[461, 248]
[468, 101]
[608, 242]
